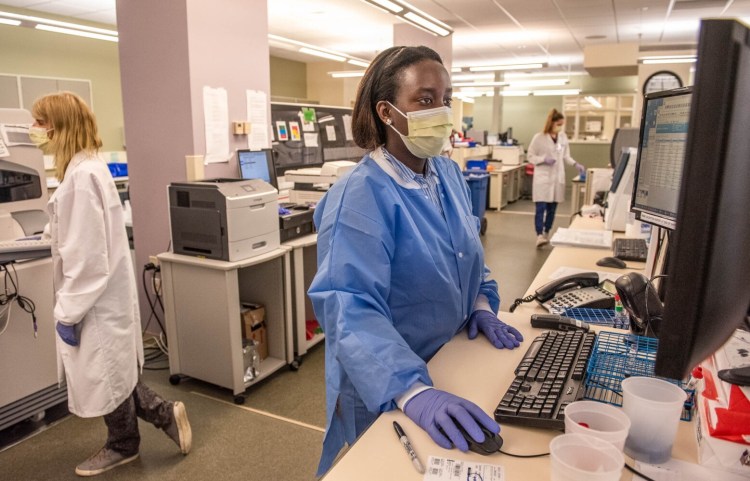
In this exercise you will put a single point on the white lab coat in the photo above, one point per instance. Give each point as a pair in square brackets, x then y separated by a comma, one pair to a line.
[549, 180]
[95, 289]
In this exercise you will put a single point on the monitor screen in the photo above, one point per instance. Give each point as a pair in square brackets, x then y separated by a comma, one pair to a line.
[257, 164]
[661, 153]
[707, 290]
[620, 170]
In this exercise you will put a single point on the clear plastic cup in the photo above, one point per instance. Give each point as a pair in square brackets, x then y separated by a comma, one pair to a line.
[654, 407]
[603, 421]
[581, 457]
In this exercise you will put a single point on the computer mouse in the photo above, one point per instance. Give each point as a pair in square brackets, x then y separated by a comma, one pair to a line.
[611, 262]
[491, 444]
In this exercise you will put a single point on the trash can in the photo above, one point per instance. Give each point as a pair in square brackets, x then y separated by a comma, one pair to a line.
[478, 181]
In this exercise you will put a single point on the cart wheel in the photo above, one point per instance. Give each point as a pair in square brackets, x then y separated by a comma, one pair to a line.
[239, 399]
[483, 226]
[294, 366]
[174, 379]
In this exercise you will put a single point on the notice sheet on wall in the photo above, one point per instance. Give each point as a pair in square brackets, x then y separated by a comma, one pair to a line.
[257, 115]
[216, 117]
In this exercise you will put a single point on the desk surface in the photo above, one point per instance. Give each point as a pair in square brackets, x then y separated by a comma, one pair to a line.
[479, 372]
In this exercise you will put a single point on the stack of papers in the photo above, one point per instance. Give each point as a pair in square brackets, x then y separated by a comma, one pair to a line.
[582, 238]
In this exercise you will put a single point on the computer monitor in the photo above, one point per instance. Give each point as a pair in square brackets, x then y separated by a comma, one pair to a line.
[661, 155]
[619, 170]
[707, 293]
[257, 164]
[623, 139]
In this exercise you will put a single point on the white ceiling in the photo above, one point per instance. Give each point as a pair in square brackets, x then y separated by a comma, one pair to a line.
[486, 31]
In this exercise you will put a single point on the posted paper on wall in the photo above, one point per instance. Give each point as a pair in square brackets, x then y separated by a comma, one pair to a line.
[257, 115]
[446, 469]
[216, 117]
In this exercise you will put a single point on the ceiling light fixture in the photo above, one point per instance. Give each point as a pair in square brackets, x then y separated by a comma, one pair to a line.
[553, 82]
[593, 101]
[77, 33]
[320, 53]
[7, 21]
[542, 93]
[472, 76]
[48, 21]
[480, 84]
[658, 59]
[515, 93]
[412, 15]
[517, 66]
[347, 73]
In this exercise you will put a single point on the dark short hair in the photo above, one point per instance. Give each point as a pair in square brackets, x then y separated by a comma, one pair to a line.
[381, 82]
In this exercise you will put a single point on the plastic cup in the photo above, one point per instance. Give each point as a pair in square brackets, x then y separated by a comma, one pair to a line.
[581, 457]
[654, 407]
[597, 419]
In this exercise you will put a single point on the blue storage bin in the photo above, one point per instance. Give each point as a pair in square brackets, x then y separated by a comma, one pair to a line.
[478, 182]
[118, 169]
[476, 164]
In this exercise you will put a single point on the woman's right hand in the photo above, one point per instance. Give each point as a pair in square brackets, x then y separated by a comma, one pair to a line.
[549, 160]
[435, 411]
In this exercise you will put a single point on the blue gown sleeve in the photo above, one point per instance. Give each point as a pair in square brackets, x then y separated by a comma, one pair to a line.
[349, 295]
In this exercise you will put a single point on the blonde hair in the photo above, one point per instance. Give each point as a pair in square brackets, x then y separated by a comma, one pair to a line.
[73, 124]
[552, 117]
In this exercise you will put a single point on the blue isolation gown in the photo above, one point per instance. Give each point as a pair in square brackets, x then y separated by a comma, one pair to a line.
[396, 281]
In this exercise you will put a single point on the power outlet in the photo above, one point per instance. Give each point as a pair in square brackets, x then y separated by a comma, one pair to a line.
[154, 260]
[157, 285]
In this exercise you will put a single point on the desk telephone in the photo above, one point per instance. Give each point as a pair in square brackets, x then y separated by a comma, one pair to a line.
[577, 290]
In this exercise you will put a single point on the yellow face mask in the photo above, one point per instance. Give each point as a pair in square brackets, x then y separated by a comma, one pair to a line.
[428, 130]
[38, 136]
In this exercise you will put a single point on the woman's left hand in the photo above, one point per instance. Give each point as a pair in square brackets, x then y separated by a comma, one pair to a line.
[499, 334]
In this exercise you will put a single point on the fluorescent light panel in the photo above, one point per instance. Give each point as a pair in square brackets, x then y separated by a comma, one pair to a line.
[388, 5]
[668, 60]
[553, 82]
[541, 93]
[7, 21]
[347, 73]
[515, 93]
[77, 33]
[429, 25]
[480, 84]
[518, 66]
[472, 76]
[412, 15]
[58, 23]
[319, 53]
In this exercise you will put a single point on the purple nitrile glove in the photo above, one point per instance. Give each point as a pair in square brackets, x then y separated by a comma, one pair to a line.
[67, 334]
[549, 160]
[434, 410]
[500, 334]
[581, 169]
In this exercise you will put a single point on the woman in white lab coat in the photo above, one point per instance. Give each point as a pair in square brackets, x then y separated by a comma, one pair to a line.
[100, 350]
[547, 151]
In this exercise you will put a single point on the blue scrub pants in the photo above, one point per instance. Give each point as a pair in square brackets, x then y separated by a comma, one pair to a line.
[541, 222]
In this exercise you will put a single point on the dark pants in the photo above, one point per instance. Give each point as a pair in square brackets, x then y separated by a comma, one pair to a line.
[541, 222]
[122, 423]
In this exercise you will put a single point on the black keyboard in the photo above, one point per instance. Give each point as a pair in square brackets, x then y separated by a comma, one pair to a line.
[630, 249]
[549, 377]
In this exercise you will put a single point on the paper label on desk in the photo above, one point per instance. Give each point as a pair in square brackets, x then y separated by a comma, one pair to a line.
[446, 469]
[676, 470]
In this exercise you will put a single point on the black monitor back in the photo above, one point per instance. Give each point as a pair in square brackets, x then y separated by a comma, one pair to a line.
[708, 290]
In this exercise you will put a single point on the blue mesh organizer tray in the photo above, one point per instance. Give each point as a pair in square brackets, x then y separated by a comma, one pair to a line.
[600, 317]
[618, 356]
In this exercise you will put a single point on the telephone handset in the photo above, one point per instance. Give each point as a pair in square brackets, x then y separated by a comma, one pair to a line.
[577, 290]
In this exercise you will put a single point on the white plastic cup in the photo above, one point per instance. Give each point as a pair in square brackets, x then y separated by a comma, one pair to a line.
[581, 457]
[654, 407]
[597, 419]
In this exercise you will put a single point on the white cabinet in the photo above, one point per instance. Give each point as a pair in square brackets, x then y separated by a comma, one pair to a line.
[202, 309]
[595, 117]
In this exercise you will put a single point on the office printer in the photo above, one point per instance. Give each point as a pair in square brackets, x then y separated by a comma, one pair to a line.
[225, 219]
[311, 184]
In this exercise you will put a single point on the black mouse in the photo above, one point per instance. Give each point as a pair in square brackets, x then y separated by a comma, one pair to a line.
[611, 262]
[491, 444]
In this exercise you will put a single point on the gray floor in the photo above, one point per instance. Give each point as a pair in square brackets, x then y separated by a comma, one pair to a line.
[245, 442]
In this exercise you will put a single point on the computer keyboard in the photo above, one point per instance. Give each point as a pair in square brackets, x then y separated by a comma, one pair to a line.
[24, 249]
[549, 377]
[630, 249]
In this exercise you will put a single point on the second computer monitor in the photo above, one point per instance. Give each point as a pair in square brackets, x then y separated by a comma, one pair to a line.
[661, 155]
[257, 164]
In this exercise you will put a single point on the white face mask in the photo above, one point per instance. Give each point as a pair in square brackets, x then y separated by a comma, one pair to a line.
[556, 129]
[38, 136]
[428, 130]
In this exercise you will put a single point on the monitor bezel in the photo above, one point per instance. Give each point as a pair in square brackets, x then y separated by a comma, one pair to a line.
[642, 214]
[269, 162]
